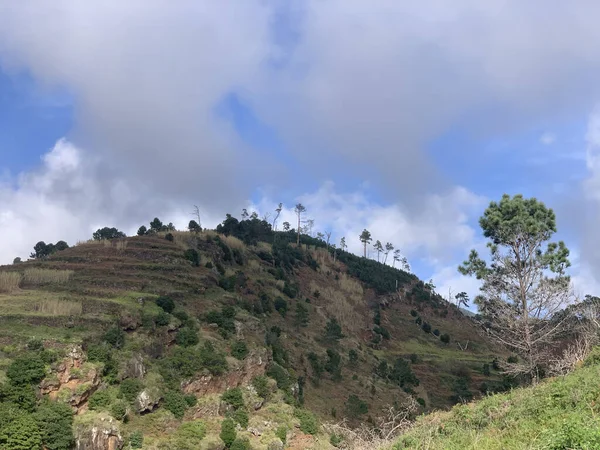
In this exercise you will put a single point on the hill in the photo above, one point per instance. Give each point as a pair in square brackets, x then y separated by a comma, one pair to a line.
[164, 338]
[559, 413]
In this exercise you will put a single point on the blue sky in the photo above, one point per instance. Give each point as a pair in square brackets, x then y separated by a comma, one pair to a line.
[405, 118]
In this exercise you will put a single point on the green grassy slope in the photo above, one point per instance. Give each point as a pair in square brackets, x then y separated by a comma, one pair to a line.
[559, 413]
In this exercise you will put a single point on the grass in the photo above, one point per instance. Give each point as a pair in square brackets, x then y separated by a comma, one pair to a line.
[9, 281]
[560, 413]
[37, 276]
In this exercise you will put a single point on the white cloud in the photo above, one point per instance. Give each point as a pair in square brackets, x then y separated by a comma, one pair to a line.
[548, 138]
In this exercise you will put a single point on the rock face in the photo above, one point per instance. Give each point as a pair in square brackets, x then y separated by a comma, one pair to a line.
[73, 380]
[104, 434]
[147, 400]
[254, 365]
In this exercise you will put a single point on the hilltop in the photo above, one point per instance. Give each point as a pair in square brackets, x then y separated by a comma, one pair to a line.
[559, 413]
[160, 338]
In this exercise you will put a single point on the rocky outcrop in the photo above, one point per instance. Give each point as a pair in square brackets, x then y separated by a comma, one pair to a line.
[135, 367]
[102, 434]
[255, 364]
[72, 380]
[147, 400]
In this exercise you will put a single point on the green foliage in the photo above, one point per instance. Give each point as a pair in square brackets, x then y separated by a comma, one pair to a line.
[55, 424]
[486, 369]
[281, 306]
[461, 391]
[239, 350]
[169, 237]
[315, 363]
[107, 233]
[241, 417]
[418, 321]
[280, 375]
[445, 338]
[426, 327]
[436, 332]
[414, 358]
[309, 423]
[261, 385]
[228, 283]
[302, 318]
[187, 337]
[136, 439]
[336, 440]
[21, 395]
[119, 410]
[333, 330]
[333, 364]
[20, 433]
[413, 313]
[175, 402]
[421, 401]
[142, 231]
[166, 304]
[189, 435]
[35, 344]
[26, 369]
[593, 358]
[194, 227]
[130, 388]
[192, 256]
[228, 433]
[162, 319]
[115, 337]
[355, 407]
[191, 400]
[233, 397]
[353, 356]
[212, 360]
[99, 400]
[383, 332]
[224, 319]
[241, 443]
[281, 433]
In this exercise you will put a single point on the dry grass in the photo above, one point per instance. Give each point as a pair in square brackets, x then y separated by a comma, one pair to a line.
[254, 265]
[37, 276]
[121, 244]
[264, 246]
[9, 281]
[107, 243]
[233, 242]
[88, 242]
[350, 286]
[55, 307]
[342, 306]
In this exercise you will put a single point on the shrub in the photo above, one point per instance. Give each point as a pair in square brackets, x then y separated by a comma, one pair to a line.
[187, 337]
[261, 385]
[281, 433]
[166, 304]
[239, 350]
[26, 369]
[421, 401]
[192, 256]
[228, 283]
[309, 423]
[486, 369]
[212, 360]
[413, 313]
[280, 375]
[302, 317]
[208, 265]
[336, 440]
[241, 443]
[333, 330]
[99, 400]
[241, 417]
[333, 364]
[136, 439]
[445, 338]
[228, 433]
[190, 434]
[55, 423]
[353, 356]
[106, 233]
[419, 321]
[35, 344]
[414, 358]
[316, 365]
[119, 410]
[174, 401]
[21, 433]
[162, 319]
[115, 337]
[281, 306]
[169, 237]
[513, 359]
[22, 395]
[191, 400]
[385, 334]
[436, 332]
[233, 397]
[355, 407]
[426, 327]
[181, 315]
[142, 231]
[592, 359]
[402, 374]
[130, 388]
[290, 290]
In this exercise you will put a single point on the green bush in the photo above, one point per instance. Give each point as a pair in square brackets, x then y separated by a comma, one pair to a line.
[228, 433]
[336, 440]
[402, 374]
[281, 433]
[241, 417]
[261, 385]
[212, 360]
[353, 356]
[418, 321]
[21, 433]
[281, 306]
[192, 256]
[302, 318]
[414, 358]
[190, 434]
[26, 369]
[233, 397]
[309, 423]
[239, 350]
[208, 265]
[169, 237]
[426, 327]
[190, 400]
[592, 359]
[166, 304]
[35, 345]
[436, 332]
[115, 337]
[355, 407]
[333, 330]
[280, 375]
[385, 334]
[136, 439]
[21, 395]
[187, 337]
[333, 364]
[421, 401]
[130, 388]
[162, 319]
[241, 443]
[174, 401]
[486, 369]
[181, 315]
[119, 410]
[55, 424]
[99, 400]
[445, 338]
[413, 313]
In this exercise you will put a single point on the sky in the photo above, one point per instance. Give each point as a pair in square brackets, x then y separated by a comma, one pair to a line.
[405, 118]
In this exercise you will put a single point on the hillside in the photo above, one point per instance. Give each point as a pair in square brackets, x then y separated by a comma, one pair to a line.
[143, 336]
[560, 413]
